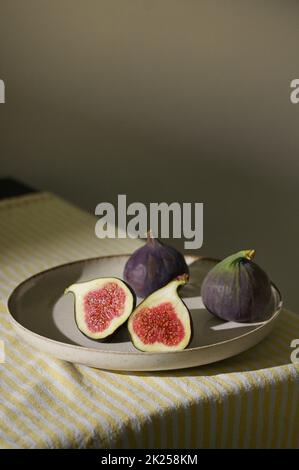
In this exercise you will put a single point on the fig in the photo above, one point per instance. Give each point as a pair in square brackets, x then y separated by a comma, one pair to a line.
[161, 322]
[152, 266]
[101, 306]
[237, 289]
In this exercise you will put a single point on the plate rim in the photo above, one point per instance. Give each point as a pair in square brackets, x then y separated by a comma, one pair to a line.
[14, 322]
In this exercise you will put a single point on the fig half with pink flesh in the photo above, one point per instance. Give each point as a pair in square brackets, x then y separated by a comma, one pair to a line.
[101, 306]
[162, 321]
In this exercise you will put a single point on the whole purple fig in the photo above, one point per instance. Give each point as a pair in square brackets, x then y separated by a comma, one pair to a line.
[152, 266]
[237, 289]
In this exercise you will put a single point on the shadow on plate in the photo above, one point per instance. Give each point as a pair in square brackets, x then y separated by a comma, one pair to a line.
[197, 271]
[43, 292]
[271, 352]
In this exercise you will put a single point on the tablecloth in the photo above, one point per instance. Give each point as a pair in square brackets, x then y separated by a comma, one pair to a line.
[250, 400]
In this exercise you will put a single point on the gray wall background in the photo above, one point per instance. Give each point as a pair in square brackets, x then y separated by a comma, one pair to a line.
[161, 100]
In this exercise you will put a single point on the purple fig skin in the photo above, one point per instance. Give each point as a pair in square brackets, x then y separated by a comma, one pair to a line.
[237, 289]
[152, 266]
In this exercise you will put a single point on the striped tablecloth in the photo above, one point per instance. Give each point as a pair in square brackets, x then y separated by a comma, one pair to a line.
[251, 400]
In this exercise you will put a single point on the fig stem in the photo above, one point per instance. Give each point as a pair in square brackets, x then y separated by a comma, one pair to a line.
[150, 235]
[249, 254]
[183, 278]
[180, 280]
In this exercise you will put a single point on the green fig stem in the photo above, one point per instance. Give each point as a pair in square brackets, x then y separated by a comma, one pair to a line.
[234, 259]
[249, 254]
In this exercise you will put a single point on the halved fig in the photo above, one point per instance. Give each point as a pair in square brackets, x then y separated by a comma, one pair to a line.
[101, 306]
[162, 321]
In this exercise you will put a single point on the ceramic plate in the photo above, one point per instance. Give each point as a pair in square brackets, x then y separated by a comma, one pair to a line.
[44, 317]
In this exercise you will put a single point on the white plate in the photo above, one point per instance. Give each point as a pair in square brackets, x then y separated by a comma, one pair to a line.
[44, 317]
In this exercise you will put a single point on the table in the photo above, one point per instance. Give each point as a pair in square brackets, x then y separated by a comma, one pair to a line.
[247, 401]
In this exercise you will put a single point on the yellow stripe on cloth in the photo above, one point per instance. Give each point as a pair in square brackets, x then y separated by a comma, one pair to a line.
[250, 400]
